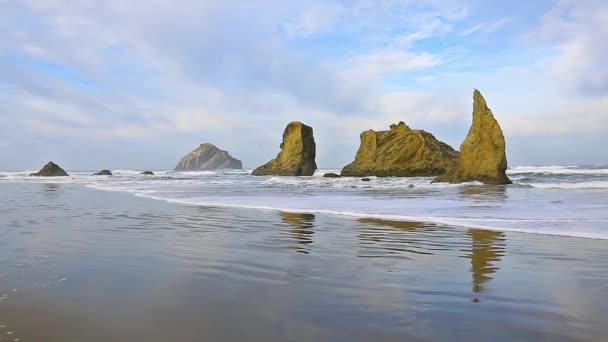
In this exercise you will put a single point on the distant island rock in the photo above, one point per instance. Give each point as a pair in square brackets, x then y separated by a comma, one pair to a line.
[50, 170]
[400, 152]
[208, 157]
[482, 154]
[147, 173]
[297, 155]
[103, 173]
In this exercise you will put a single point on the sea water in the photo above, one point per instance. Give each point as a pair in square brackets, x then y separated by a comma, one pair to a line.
[555, 200]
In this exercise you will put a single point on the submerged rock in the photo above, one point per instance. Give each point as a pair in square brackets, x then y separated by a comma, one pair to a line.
[50, 170]
[482, 154]
[297, 156]
[103, 173]
[401, 152]
[331, 175]
[208, 157]
[365, 179]
[147, 173]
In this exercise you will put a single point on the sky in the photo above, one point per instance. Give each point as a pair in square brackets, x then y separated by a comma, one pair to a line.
[138, 84]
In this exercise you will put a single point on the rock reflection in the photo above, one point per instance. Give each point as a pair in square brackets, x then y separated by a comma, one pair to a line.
[50, 187]
[380, 238]
[302, 231]
[487, 249]
[491, 193]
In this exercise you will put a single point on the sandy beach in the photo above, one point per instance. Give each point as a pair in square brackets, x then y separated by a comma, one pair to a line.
[79, 264]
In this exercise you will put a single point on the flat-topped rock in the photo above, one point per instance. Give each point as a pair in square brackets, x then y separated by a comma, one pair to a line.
[208, 157]
[400, 152]
[482, 154]
[297, 155]
[50, 170]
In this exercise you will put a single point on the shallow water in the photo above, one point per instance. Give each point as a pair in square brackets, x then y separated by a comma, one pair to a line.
[79, 264]
[554, 200]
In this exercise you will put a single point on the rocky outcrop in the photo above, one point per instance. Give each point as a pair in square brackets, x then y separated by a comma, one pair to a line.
[331, 175]
[482, 154]
[208, 157]
[297, 156]
[103, 173]
[50, 170]
[147, 173]
[400, 152]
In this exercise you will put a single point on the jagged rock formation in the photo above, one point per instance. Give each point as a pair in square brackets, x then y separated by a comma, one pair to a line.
[297, 156]
[147, 173]
[482, 154]
[208, 157]
[50, 170]
[103, 173]
[400, 152]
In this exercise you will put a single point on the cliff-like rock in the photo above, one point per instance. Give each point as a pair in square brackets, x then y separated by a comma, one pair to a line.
[482, 154]
[297, 156]
[208, 157]
[400, 152]
[50, 170]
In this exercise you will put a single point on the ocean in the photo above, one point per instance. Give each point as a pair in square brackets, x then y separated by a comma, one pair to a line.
[552, 200]
[222, 256]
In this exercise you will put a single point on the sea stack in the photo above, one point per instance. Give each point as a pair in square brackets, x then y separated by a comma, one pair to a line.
[400, 152]
[297, 156]
[208, 157]
[482, 154]
[50, 170]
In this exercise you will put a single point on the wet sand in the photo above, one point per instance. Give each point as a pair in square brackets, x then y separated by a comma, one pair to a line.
[77, 264]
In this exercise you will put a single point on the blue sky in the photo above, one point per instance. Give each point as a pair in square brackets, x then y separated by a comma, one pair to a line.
[115, 84]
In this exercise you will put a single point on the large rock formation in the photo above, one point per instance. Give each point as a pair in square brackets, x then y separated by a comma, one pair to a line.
[208, 157]
[50, 170]
[297, 156]
[482, 154]
[400, 152]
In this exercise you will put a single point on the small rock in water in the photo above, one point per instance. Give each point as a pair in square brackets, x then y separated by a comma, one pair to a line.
[147, 173]
[331, 175]
[411, 186]
[103, 173]
[365, 179]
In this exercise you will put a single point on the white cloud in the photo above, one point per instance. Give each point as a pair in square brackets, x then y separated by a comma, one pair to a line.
[313, 20]
[379, 63]
[585, 116]
[578, 31]
[487, 27]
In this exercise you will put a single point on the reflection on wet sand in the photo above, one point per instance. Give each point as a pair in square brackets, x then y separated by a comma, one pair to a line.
[50, 187]
[487, 250]
[302, 231]
[486, 193]
[406, 225]
[379, 238]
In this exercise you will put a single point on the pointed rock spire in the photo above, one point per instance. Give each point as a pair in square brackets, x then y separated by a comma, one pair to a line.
[482, 154]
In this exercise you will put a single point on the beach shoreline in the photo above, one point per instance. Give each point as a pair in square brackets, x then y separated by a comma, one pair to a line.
[98, 265]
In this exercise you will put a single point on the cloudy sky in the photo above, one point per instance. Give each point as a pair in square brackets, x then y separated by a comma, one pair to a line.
[120, 84]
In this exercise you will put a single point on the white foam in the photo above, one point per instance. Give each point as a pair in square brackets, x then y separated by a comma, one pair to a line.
[572, 185]
[555, 169]
[531, 209]
[557, 227]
